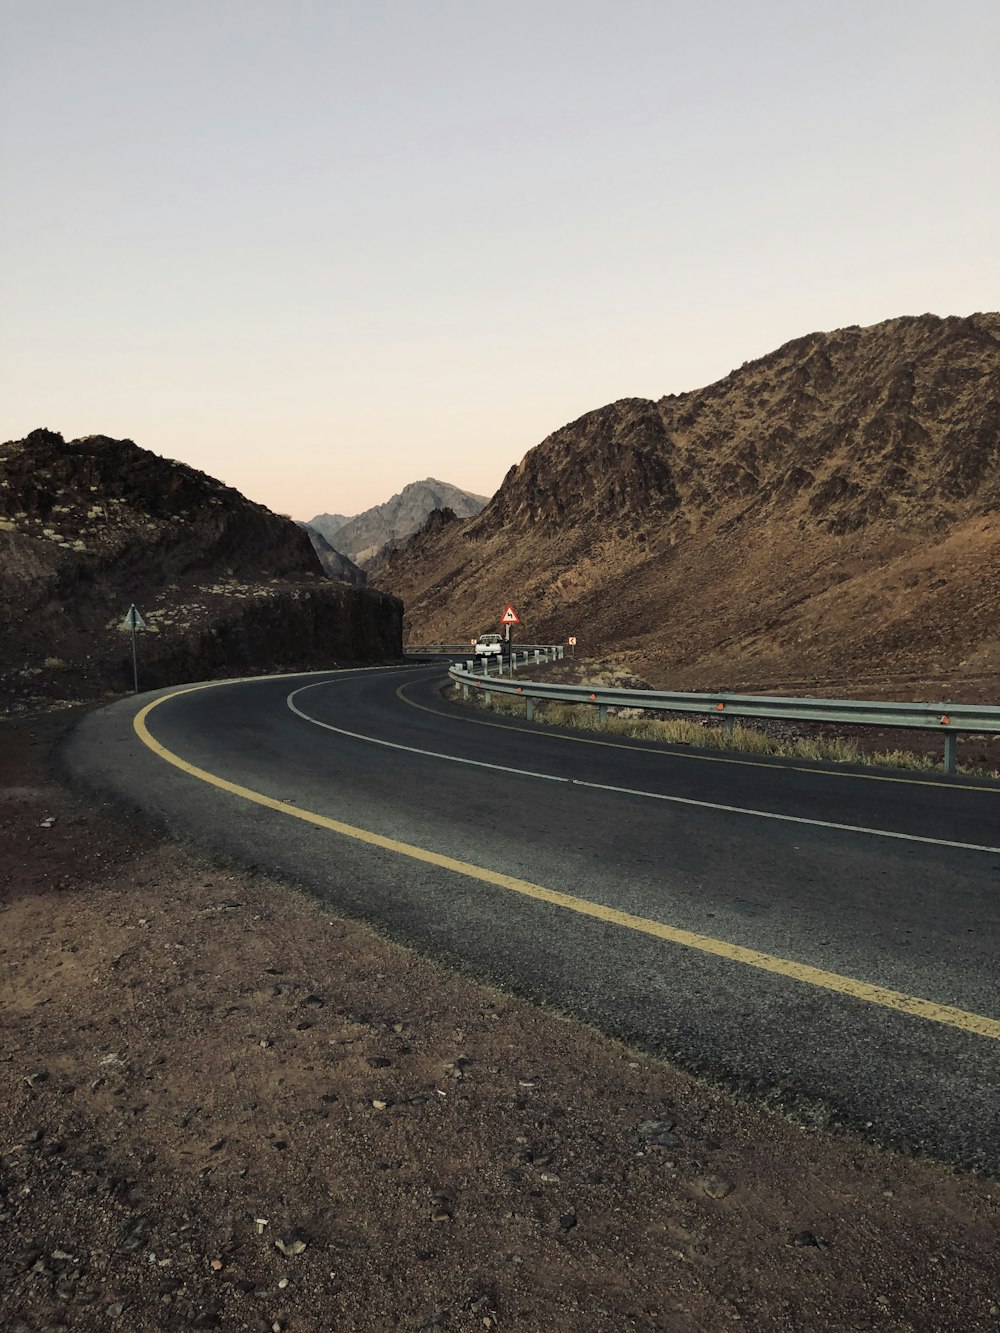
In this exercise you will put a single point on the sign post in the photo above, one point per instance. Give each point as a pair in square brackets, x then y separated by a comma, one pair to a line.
[509, 617]
[572, 644]
[133, 621]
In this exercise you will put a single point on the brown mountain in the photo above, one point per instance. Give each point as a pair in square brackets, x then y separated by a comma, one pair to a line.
[363, 536]
[825, 518]
[225, 586]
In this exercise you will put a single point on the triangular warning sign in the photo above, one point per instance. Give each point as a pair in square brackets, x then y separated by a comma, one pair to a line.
[510, 616]
[133, 620]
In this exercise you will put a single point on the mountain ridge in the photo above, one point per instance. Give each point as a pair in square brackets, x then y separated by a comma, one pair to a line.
[397, 518]
[224, 585]
[745, 534]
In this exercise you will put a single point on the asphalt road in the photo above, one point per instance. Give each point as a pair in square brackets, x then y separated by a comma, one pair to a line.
[825, 939]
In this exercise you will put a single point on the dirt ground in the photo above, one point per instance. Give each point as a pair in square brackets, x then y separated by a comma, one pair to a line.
[226, 1107]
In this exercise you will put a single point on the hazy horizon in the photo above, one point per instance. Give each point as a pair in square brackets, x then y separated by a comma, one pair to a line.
[321, 251]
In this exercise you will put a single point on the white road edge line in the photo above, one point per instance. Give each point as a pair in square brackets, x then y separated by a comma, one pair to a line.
[412, 749]
[632, 791]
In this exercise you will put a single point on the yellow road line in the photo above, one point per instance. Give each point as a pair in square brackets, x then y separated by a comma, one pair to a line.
[695, 754]
[978, 1024]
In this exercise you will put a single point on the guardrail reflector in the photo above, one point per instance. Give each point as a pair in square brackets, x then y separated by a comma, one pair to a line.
[720, 708]
[945, 720]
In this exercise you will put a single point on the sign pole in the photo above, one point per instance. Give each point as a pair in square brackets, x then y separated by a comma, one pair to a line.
[134, 622]
[509, 618]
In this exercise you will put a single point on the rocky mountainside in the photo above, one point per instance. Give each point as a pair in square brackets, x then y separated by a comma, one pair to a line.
[328, 525]
[338, 567]
[363, 536]
[225, 586]
[824, 518]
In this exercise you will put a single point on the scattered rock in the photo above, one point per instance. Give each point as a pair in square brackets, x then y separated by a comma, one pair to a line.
[435, 1320]
[568, 1221]
[115, 1310]
[659, 1133]
[290, 1245]
[803, 1239]
[716, 1187]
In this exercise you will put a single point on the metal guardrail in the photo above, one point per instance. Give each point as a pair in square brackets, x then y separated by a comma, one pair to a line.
[945, 718]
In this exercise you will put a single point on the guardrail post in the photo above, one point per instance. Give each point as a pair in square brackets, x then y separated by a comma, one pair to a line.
[728, 722]
[529, 709]
[487, 697]
[465, 690]
[559, 650]
[950, 747]
[602, 713]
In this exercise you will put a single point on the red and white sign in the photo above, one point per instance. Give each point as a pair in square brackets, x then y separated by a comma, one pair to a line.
[572, 640]
[510, 616]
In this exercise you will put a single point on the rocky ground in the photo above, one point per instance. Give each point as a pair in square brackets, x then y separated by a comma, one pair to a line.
[226, 1107]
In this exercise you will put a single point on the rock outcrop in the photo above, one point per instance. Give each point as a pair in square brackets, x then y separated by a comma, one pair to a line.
[225, 586]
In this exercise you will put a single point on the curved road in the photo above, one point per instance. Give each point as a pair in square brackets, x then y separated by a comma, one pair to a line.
[825, 938]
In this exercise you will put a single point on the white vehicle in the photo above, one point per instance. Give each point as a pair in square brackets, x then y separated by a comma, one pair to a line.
[489, 645]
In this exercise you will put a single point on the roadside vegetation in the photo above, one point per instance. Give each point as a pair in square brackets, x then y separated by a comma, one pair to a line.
[778, 740]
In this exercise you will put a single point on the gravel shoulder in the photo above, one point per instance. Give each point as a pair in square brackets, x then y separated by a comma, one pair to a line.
[225, 1107]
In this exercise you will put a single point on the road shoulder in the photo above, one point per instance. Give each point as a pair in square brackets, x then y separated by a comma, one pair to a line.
[190, 1048]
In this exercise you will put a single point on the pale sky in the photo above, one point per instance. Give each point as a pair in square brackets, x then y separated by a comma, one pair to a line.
[322, 249]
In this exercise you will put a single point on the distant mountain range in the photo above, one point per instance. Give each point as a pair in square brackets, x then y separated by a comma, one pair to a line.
[826, 518]
[340, 568]
[363, 536]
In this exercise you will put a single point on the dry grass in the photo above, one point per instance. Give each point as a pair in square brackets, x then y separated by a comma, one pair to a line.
[708, 735]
